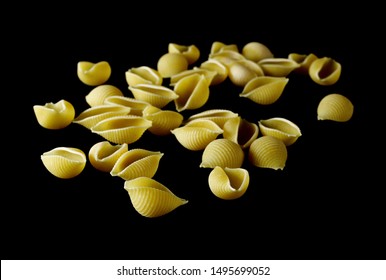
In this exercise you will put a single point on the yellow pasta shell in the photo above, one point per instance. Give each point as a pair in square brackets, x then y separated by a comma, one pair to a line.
[268, 152]
[163, 121]
[242, 71]
[136, 163]
[191, 52]
[219, 116]
[171, 64]
[304, 60]
[222, 152]
[215, 66]
[136, 106]
[218, 46]
[122, 129]
[325, 71]
[226, 57]
[150, 198]
[278, 67]
[209, 75]
[156, 95]
[55, 115]
[64, 162]
[264, 90]
[143, 75]
[335, 107]
[197, 134]
[256, 51]
[99, 93]
[93, 74]
[103, 155]
[240, 131]
[281, 128]
[228, 183]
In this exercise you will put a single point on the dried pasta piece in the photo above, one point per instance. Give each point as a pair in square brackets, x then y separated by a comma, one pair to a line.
[197, 134]
[209, 75]
[170, 64]
[136, 106]
[304, 60]
[158, 96]
[281, 128]
[143, 75]
[228, 183]
[99, 93]
[150, 198]
[226, 57]
[256, 51]
[93, 74]
[55, 115]
[103, 155]
[163, 121]
[64, 162]
[222, 152]
[268, 152]
[240, 131]
[215, 66]
[136, 163]
[191, 52]
[335, 107]
[242, 71]
[325, 71]
[219, 116]
[218, 46]
[278, 67]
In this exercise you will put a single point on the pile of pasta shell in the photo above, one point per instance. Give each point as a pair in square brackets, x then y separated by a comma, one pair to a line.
[225, 138]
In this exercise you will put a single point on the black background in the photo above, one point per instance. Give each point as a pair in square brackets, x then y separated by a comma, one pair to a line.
[325, 204]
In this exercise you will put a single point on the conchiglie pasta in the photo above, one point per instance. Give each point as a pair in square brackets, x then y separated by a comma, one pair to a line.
[335, 107]
[55, 115]
[268, 152]
[136, 106]
[103, 155]
[143, 75]
[219, 116]
[256, 51]
[215, 66]
[240, 131]
[99, 93]
[325, 71]
[281, 128]
[156, 95]
[171, 64]
[93, 74]
[191, 52]
[163, 121]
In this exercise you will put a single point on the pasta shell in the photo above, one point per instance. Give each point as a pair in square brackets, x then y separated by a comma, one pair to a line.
[218, 67]
[240, 131]
[98, 94]
[218, 46]
[136, 163]
[103, 155]
[197, 134]
[264, 90]
[242, 71]
[55, 115]
[192, 91]
[163, 121]
[228, 183]
[158, 96]
[64, 162]
[91, 116]
[304, 60]
[219, 116]
[191, 52]
[222, 152]
[256, 51]
[226, 57]
[122, 129]
[136, 106]
[278, 67]
[143, 75]
[93, 74]
[325, 71]
[335, 107]
[150, 198]
[281, 128]
[268, 152]
[209, 75]
[171, 64]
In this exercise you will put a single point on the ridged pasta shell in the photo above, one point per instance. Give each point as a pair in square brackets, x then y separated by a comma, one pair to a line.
[197, 134]
[218, 46]
[150, 198]
[209, 75]
[91, 116]
[64, 162]
[158, 96]
[143, 75]
[192, 91]
[222, 152]
[325, 71]
[264, 90]
[216, 66]
[122, 129]
[278, 67]
[219, 116]
[170, 64]
[268, 152]
[191, 52]
[226, 57]
[93, 74]
[256, 51]
[55, 115]
[335, 107]
[99, 93]
[163, 121]
[281, 128]
[304, 60]
[242, 71]
[136, 163]
[136, 106]
[103, 155]
[240, 131]
[228, 183]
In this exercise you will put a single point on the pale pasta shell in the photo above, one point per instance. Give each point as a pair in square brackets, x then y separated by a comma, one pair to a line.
[240, 131]
[103, 155]
[98, 94]
[268, 152]
[228, 183]
[93, 74]
[191, 52]
[163, 121]
[226, 57]
[325, 71]
[209, 75]
[219, 116]
[197, 134]
[242, 71]
[264, 90]
[281, 128]
[256, 51]
[91, 116]
[215, 66]
[64, 162]
[136, 106]
[55, 115]
[171, 64]
[278, 67]
[122, 129]
[222, 152]
[150, 198]
[335, 107]
[192, 91]
[143, 75]
[137, 163]
[218, 46]
[304, 60]
[156, 95]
